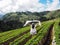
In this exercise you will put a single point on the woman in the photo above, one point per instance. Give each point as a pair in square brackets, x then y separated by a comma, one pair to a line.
[33, 26]
[33, 29]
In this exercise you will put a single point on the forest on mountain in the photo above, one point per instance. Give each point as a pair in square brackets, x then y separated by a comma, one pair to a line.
[14, 20]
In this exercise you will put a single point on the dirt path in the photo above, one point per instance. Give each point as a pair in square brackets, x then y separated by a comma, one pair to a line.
[48, 40]
[53, 41]
[51, 37]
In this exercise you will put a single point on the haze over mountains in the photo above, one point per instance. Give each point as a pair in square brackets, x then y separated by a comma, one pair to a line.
[1, 15]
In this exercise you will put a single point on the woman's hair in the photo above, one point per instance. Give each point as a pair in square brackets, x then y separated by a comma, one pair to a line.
[33, 25]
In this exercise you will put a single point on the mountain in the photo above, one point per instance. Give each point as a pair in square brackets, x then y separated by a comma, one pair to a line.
[16, 20]
[1, 16]
[23, 16]
[53, 14]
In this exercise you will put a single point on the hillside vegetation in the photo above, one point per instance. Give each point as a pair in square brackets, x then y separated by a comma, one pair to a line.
[23, 16]
[14, 20]
[22, 36]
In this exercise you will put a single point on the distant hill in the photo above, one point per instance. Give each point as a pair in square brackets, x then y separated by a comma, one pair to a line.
[1, 16]
[14, 20]
[53, 14]
[23, 16]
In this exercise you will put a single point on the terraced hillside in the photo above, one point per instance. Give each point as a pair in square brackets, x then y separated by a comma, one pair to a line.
[22, 36]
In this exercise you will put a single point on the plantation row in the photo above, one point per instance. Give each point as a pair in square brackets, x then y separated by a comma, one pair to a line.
[57, 32]
[22, 36]
[29, 42]
[12, 34]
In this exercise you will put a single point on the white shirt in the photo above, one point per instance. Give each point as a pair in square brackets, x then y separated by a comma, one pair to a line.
[33, 30]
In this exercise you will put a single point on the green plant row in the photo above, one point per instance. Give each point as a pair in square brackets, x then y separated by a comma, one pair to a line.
[42, 34]
[57, 32]
[13, 34]
[20, 39]
[34, 40]
[8, 32]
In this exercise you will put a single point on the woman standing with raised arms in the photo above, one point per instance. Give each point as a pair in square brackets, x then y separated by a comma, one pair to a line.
[33, 26]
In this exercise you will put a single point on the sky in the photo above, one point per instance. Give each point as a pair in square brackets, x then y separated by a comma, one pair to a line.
[7, 6]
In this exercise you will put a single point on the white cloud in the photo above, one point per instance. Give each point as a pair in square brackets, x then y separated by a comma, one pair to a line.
[21, 5]
[4, 3]
[27, 5]
[53, 5]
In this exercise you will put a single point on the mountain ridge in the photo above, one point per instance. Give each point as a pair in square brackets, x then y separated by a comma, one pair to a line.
[23, 16]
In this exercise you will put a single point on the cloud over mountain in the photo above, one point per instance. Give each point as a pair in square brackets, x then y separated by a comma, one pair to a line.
[28, 5]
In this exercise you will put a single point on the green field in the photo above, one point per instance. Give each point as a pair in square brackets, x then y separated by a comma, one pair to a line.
[22, 36]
